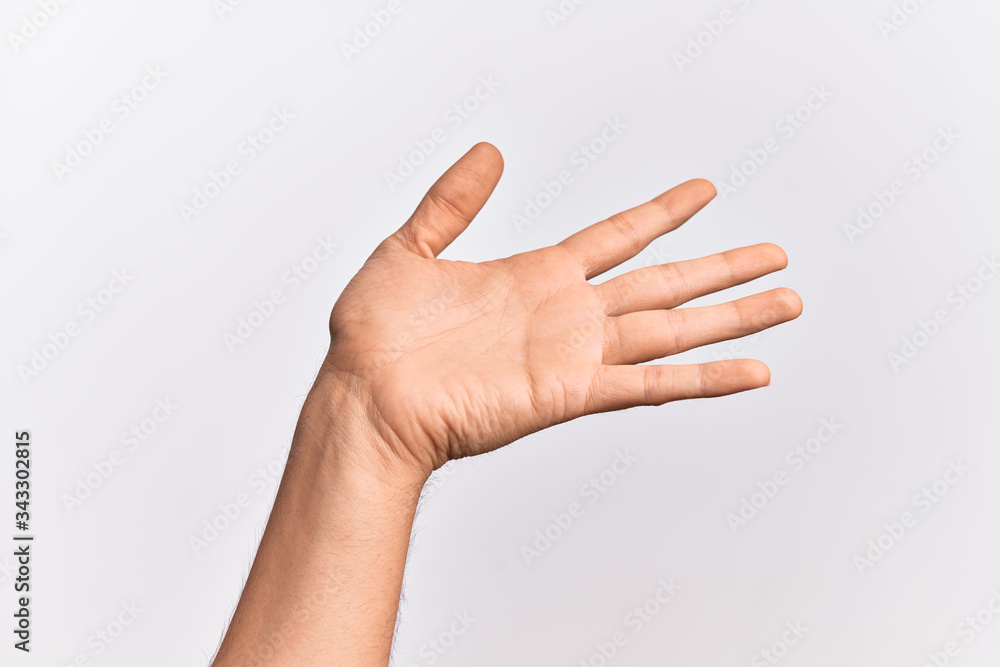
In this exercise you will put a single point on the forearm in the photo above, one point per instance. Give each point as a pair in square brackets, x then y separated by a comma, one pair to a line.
[325, 584]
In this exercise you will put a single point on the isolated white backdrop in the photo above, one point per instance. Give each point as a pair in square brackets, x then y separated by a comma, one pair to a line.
[162, 336]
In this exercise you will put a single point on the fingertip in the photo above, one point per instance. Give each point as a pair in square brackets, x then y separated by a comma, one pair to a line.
[776, 254]
[792, 301]
[489, 153]
[739, 375]
[705, 188]
[759, 373]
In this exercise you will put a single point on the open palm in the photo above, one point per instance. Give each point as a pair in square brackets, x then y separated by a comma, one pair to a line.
[456, 358]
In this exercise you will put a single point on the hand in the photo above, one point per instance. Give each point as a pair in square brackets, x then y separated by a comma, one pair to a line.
[432, 360]
[454, 359]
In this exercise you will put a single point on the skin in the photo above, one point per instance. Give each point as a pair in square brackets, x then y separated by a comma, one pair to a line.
[432, 360]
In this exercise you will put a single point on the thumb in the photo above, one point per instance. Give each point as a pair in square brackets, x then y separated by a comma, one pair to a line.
[453, 201]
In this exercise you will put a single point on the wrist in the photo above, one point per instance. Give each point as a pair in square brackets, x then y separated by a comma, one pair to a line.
[340, 429]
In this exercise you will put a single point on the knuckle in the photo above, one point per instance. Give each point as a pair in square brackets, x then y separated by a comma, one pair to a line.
[652, 380]
[673, 278]
[625, 226]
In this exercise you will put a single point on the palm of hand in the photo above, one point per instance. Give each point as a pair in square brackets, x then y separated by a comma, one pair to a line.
[461, 358]
[477, 355]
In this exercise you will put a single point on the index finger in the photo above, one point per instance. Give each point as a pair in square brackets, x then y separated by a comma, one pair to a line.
[606, 244]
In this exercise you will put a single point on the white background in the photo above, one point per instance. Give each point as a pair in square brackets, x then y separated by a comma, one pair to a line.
[162, 336]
